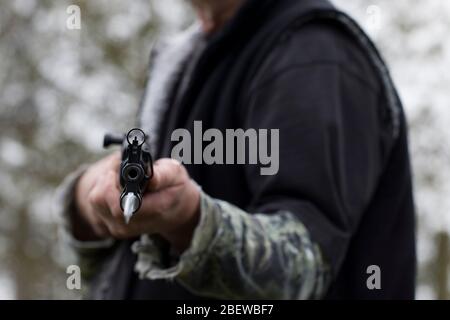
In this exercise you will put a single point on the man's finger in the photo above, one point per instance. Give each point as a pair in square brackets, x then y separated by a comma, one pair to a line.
[112, 195]
[166, 173]
[115, 159]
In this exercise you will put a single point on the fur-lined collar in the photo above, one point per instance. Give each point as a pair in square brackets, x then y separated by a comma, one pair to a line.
[167, 61]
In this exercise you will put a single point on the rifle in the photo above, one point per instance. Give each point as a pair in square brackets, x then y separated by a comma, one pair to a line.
[136, 168]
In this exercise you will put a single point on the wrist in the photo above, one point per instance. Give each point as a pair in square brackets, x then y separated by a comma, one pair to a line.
[180, 237]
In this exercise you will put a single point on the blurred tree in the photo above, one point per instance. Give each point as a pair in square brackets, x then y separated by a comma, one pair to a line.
[441, 278]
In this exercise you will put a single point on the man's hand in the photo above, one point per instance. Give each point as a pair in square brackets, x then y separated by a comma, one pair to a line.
[170, 207]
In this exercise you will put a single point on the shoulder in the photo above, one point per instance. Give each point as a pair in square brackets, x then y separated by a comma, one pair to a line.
[316, 44]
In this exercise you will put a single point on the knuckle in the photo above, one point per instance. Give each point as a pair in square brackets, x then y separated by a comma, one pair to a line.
[181, 171]
[95, 198]
[114, 160]
[177, 165]
[113, 181]
[111, 178]
[174, 168]
[116, 210]
[166, 202]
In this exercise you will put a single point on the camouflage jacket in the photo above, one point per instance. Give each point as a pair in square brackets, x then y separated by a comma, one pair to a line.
[233, 254]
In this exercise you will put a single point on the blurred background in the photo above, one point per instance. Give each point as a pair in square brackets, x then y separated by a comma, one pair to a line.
[62, 88]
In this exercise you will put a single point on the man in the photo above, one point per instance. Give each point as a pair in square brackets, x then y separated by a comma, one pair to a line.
[336, 219]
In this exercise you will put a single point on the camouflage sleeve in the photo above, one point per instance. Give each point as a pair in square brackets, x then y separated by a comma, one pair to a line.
[235, 255]
[88, 254]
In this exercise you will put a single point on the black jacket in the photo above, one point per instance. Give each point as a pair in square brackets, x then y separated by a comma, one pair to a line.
[304, 68]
